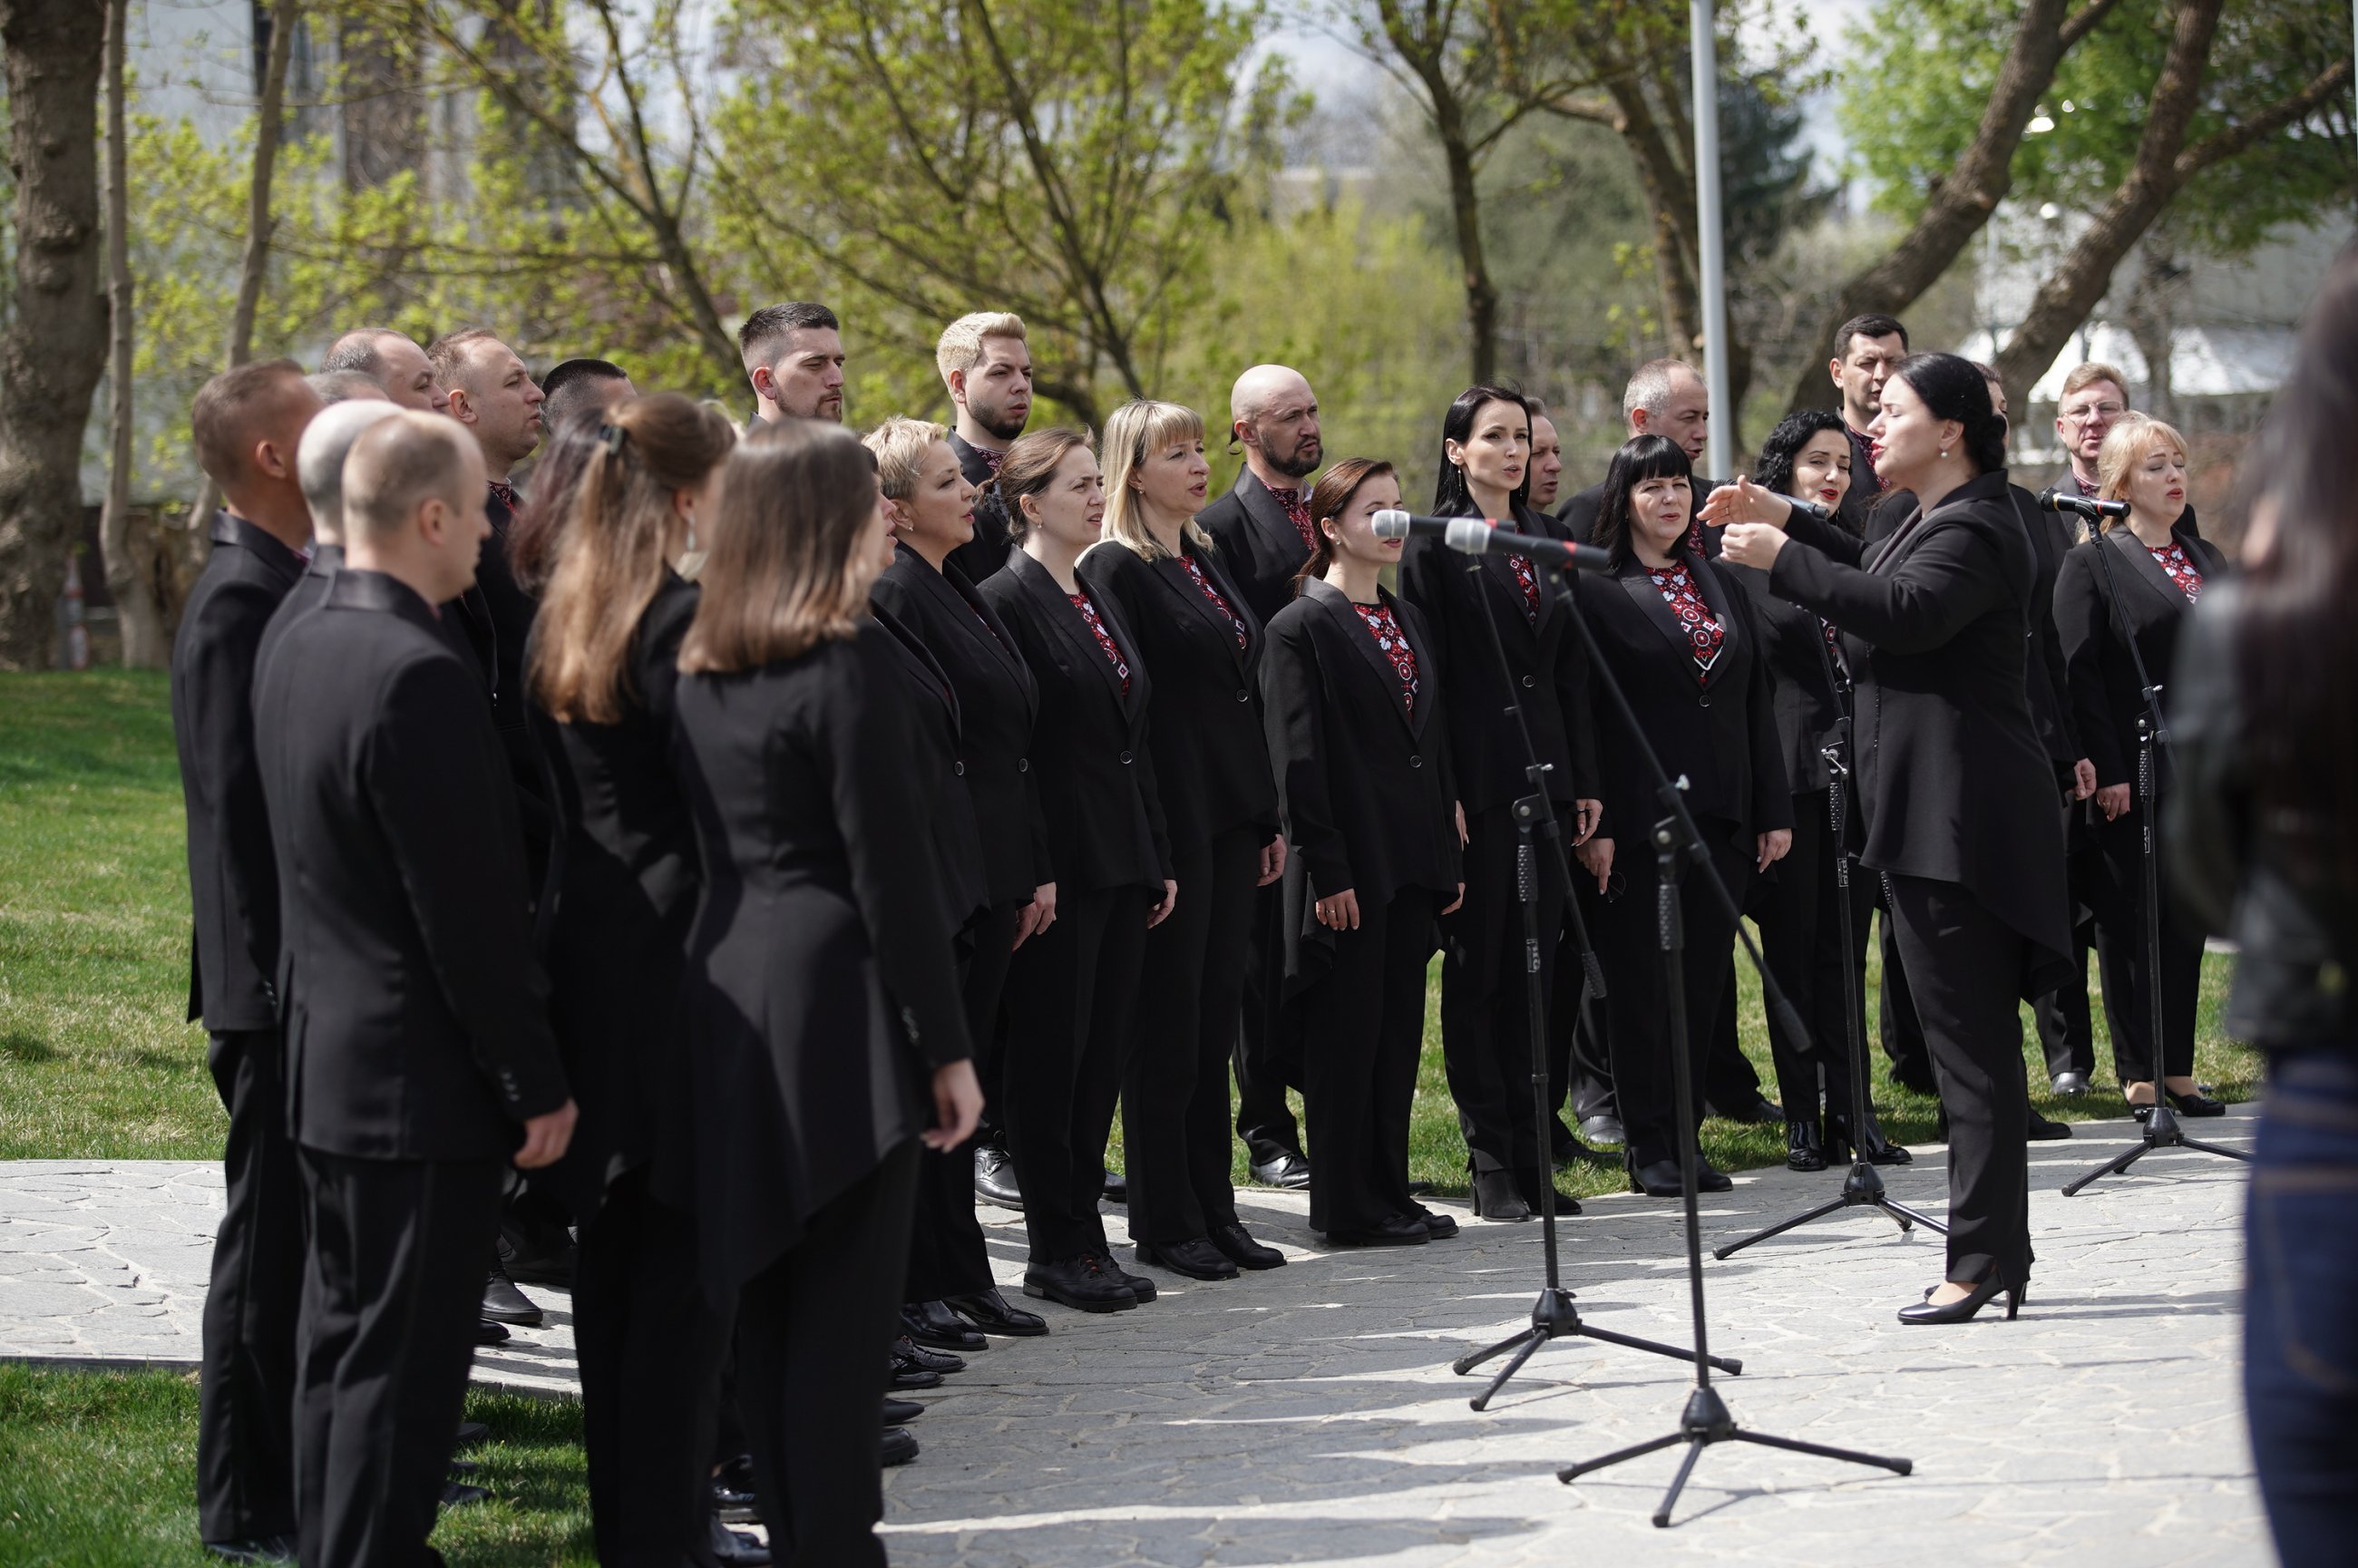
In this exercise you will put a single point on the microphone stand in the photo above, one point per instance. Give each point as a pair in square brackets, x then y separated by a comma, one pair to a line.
[1863, 1188]
[2162, 1129]
[1553, 1315]
[1706, 1419]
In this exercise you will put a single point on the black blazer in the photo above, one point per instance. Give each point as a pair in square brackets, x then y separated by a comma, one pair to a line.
[1211, 759]
[999, 703]
[1095, 767]
[1806, 688]
[619, 926]
[496, 615]
[2050, 691]
[1260, 547]
[1953, 781]
[982, 556]
[820, 984]
[416, 1016]
[1720, 732]
[310, 590]
[935, 743]
[233, 878]
[1364, 783]
[1550, 669]
[2095, 631]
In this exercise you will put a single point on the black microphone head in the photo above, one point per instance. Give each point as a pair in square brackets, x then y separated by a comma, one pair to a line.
[2047, 500]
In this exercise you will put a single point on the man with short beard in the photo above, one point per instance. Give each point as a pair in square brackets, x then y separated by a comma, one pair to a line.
[987, 365]
[1866, 348]
[392, 360]
[794, 359]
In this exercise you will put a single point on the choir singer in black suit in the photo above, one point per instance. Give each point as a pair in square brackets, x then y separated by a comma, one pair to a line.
[602, 668]
[985, 366]
[249, 425]
[2159, 572]
[825, 1033]
[1958, 796]
[1682, 639]
[419, 1057]
[1200, 643]
[1071, 992]
[1486, 445]
[1360, 741]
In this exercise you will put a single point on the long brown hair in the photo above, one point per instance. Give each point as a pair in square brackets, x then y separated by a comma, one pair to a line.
[1029, 464]
[1328, 500]
[797, 501]
[609, 551]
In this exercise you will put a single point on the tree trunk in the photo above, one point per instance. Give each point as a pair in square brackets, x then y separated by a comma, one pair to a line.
[53, 345]
[1481, 294]
[137, 616]
[269, 125]
[2157, 303]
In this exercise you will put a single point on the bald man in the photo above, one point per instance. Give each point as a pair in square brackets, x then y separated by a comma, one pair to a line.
[248, 423]
[420, 1061]
[1262, 528]
[392, 360]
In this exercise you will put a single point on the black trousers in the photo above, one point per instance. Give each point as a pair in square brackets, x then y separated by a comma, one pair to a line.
[1072, 995]
[1586, 1051]
[1267, 1051]
[391, 1295]
[1800, 914]
[650, 1349]
[245, 1401]
[1639, 999]
[2128, 980]
[2066, 1025]
[1484, 1029]
[947, 1254]
[1901, 1030]
[813, 1330]
[1174, 1098]
[1967, 965]
[1362, 1033]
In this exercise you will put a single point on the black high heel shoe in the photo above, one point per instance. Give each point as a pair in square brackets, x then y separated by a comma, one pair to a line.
[1963, 1309]
[2196, 1104]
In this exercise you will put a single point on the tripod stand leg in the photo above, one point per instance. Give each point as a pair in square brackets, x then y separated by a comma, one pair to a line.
[2214, 1149]
[2110, 1167]
[1571, 1472]
[1903, 1213]
[1466, 1364]
[1679, 1482]
[1847, 1455]
[1779, 1229]
[1532, 1341]
[1727, 1364]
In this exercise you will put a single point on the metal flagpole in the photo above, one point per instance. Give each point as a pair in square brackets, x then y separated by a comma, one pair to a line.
[1708, 242]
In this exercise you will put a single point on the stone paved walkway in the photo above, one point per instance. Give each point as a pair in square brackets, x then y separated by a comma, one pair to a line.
[1308, 1416]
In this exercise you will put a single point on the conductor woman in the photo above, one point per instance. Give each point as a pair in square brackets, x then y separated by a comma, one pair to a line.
[825, 1028]
[1361, 745]
[1957, 792]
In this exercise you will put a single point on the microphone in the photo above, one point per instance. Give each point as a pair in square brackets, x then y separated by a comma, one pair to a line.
[1480, 535]
[2056, 500]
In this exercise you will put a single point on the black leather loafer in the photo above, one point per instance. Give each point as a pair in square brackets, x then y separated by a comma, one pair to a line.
[993, 1313]
[1398, 1230]
[1082, 1283]
[933, 1322]
[502, 1302]
[994, 1177]
[1289, 1171]
[900, 1447]
[1196, 1258]
[1236, 1243]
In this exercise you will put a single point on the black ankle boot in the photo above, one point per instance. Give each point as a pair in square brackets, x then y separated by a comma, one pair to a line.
[1804, 1149]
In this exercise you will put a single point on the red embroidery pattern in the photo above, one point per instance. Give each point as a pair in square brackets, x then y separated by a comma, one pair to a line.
[1704, 634]
[1297, 512]
[1385, 627]
[1196, 571]
[1105, 638]
[1526, 578]
[2171, 558]
[504, 494]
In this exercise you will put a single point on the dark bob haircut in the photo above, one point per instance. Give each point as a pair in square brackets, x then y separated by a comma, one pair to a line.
[1640, 457]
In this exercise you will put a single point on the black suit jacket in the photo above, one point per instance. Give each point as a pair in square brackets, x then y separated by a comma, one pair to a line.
[936, 743]
[1211, 759]
[1953, 783]
[496, 615]
[1720, 732]
[2050, 693]
[233, 878]
[2096, 631]
[1548, 664]
[999, 703]
[1260, 547]
[1363, 780]
[1806, 688]
[415, 1013]
[309, 593]
[981, 556]
[1090, 752]
[820, 983]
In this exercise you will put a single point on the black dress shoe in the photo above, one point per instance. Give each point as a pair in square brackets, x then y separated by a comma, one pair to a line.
[1116, 1188]
[733, 1498]
[1963, 1309]
[1529, 1189]
[551, 1262]
[1659, 1180]
[1082, 1283]
[1139, 1285]
[1761, 1111]
[906, 1375]
[1875, 1147]
[469, 1433]
[1395, 1230]
[900, 1413]
[992, 1313]
[1438, 1226]
[732, 1548]
[2041, 1130]
[900, 1447]
[1495, 1196]
[933, 1322]
[490, 1333]
[994, 1176]
[1289, 1171]
[459, 1495]
[1196, 1258]
[255, 1548]
[907, 1349]
[502, 1302]
[1241, 1249]
[2196, 1104]
[1804, 1149]
[1711, 1180]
